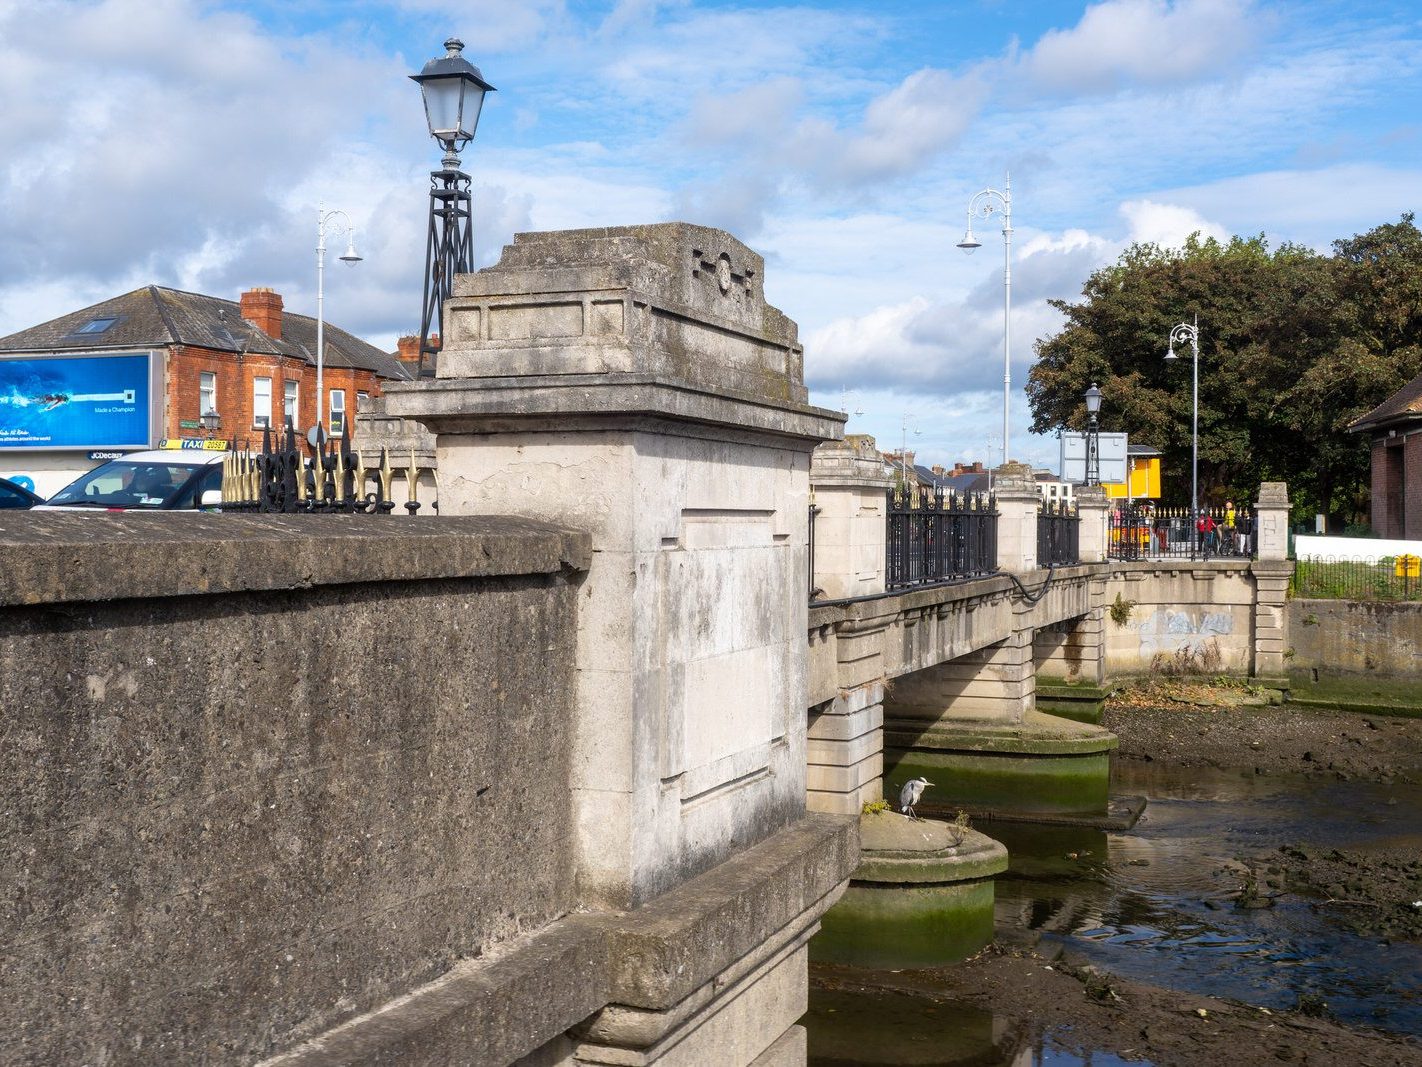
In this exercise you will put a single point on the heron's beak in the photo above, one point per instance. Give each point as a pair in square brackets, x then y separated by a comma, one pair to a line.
[927, 782]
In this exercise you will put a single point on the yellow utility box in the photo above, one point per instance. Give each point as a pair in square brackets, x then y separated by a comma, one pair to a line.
[1145, 480]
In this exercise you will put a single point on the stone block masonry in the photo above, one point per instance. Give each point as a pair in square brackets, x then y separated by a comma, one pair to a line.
[633, 383]
[264, 774]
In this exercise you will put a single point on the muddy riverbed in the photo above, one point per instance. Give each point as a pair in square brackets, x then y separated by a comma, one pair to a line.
[1260, 912]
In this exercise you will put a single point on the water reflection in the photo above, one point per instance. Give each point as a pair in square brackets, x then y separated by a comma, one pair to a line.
[1156, 903]
[888, 1028]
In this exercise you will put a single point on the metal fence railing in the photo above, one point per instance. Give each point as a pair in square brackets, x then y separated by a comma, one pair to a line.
[1058, 534]
[935, 535]
[1390, 578]
[333, 479]
[1142, 531]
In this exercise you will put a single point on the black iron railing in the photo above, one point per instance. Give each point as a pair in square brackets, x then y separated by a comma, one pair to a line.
[287, 477]
[939, 536]
[1143, 531]
[1058, 534]
[1387, 579]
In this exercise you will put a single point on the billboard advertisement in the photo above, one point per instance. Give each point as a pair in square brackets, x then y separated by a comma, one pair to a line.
[1111, 454]
[104, 400]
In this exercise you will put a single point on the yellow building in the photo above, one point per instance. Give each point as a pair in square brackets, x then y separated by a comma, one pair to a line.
[1143, 467]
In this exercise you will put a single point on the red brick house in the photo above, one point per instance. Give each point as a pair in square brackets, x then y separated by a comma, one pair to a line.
[1395, 426]
[250, 362]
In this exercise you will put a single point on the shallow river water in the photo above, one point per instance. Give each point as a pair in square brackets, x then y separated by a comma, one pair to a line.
[1155, 904]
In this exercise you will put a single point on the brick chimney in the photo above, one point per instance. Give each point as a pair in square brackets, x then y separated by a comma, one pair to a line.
[261, 307]
[407, 351]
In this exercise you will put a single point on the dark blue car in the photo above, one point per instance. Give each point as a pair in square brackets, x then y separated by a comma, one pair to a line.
[16, 496]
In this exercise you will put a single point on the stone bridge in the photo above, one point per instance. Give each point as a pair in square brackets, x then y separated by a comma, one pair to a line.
[553, 778]
[942, 680]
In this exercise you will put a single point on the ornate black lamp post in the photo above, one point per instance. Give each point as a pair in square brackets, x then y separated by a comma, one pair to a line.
[211, 422]
[1093, 436]
[454, 92]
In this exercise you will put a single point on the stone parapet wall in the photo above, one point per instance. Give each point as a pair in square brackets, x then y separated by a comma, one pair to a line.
[1206, 614]
[1355, 637]
[262, 774]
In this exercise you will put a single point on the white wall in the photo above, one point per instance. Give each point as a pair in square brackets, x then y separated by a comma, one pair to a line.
[1366, 549]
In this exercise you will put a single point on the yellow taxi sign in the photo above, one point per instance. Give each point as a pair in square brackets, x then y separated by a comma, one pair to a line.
[1407, 567]
[194, 443]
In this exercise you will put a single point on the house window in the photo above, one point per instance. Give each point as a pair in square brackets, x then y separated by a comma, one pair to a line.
[261, 402]
[338, 412]
[361, 398]
[96, 325]
[207, 392]
[289, 402]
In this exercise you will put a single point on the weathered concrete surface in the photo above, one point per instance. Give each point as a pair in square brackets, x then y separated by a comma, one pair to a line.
[1199, 612]
[1355, 637]
[851, 498]
[235, 818]
[635, 384]
[56, 557]
[921, 898]
[630, 982]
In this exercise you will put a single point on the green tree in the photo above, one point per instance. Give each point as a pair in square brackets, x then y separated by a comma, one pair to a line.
[1294, 345]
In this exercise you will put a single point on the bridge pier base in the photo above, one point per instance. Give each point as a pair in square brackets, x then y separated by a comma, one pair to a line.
[971, 726]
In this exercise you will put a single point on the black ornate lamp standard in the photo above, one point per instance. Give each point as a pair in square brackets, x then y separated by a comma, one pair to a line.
[454, 92]
[1093, 436]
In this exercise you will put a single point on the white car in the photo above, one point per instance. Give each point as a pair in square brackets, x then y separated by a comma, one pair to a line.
[162, 480]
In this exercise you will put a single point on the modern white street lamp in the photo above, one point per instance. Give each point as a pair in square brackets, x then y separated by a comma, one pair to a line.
[984, 205]
[1183, 332]
[903, 446]
[340, 224]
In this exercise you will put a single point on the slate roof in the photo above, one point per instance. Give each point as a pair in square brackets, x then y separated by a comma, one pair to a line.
[1405, 405]
[967, 482]
[154, 316]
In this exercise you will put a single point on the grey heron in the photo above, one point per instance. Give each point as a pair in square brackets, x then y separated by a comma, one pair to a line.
[909, 795]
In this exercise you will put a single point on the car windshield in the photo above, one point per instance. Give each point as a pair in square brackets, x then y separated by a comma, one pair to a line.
[124, 484]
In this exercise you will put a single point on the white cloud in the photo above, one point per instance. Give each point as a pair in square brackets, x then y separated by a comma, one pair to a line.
[1167, 225]
[902, 129]
[1146, 42]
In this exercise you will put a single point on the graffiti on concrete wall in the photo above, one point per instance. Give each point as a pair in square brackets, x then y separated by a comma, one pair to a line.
[1168, 631]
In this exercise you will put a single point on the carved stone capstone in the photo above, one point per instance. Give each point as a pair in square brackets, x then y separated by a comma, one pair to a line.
[679, 302]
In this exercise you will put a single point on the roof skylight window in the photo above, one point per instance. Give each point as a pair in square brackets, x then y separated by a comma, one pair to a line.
[96, 325]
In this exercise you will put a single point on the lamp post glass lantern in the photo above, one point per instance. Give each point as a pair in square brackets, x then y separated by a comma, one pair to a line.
[985, 204]
[1181, 333]
[339, 223]
[1093, 436]
[453, 91]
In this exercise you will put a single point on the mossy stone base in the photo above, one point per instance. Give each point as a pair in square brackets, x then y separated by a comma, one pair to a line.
[1044, 765]
[1369, 694]
[917, 899]
[1069, 700]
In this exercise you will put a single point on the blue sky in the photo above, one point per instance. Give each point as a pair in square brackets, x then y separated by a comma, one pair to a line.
[188, 144]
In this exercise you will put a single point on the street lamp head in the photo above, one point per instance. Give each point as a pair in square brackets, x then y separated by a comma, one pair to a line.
[351, 256]
[1093, 400]
[969, 243]
[211, 421]
[1170, 353]
[454, 92]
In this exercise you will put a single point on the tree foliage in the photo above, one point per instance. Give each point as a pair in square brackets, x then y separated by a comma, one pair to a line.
[1294, 345]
